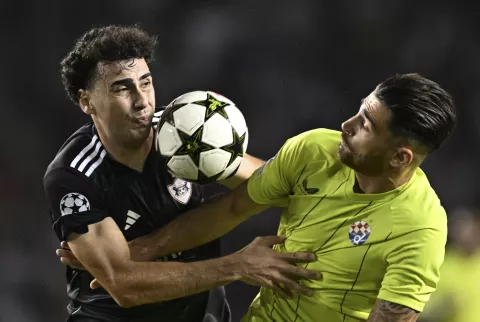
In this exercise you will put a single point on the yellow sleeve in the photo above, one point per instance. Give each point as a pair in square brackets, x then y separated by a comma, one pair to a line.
[273, 182]
[414, 268]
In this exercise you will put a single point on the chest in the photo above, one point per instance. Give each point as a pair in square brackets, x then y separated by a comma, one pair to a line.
[321, 218]
[142, 202]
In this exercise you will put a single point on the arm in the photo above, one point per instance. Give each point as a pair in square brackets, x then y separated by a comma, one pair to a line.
[247, 167]
[385, 311]
[269, 185]
[411, 277]
[104, 252]
[205, 223]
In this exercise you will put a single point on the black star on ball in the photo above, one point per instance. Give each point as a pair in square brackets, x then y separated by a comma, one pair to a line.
[193, 145]
[213, 105]
[236, 147]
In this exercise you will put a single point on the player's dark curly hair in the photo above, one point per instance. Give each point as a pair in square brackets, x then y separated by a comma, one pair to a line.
[421, 110]
[109, 43]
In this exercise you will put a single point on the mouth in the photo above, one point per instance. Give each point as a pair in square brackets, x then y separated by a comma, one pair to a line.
[344, 142]
[142, 120]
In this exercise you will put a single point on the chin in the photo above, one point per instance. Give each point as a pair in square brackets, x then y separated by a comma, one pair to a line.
[137, 136]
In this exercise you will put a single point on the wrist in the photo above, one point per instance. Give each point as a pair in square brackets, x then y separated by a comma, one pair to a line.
[232, 267]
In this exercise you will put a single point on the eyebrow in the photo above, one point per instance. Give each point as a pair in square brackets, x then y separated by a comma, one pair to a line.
[367, 115]
[369, 118]
[125, 81]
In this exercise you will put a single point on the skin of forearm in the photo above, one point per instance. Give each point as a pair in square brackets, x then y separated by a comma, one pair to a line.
[151, 282]
[247, 167]
[198, 227]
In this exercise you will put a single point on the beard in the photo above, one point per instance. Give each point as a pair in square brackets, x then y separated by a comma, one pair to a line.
[369, 165]
[136, 138]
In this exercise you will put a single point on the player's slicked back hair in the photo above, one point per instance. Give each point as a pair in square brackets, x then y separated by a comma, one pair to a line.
[421, 110]
[103, 44]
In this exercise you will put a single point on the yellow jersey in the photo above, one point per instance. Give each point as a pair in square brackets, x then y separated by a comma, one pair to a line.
[388, 246]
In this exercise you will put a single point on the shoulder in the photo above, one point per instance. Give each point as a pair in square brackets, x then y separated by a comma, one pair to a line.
[82, 153]
[317, 143]
[419, 208]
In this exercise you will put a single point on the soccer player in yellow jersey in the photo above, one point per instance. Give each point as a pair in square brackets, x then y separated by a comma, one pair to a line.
[358, 200]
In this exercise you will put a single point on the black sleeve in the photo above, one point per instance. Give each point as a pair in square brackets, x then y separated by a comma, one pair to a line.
[74, 202]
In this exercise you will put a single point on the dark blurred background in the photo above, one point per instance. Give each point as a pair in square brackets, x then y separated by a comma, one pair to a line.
[289, 65]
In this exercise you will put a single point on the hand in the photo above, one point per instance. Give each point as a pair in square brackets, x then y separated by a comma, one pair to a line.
[263, 266]
[68, 258]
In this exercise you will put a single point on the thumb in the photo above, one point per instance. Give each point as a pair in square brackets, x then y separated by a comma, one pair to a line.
[270, 240]
[95, 284]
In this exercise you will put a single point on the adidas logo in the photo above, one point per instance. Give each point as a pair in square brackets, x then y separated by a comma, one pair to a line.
[132, 218]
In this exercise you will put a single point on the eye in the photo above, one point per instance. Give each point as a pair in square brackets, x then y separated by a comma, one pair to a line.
[122, 89]
[146, 84]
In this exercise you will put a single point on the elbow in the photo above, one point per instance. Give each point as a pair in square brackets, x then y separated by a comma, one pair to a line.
[125, 301]
[121, 291]
[124, 297]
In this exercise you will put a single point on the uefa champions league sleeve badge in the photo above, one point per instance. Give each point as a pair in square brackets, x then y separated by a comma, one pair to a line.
[73, 203]
[359, 232]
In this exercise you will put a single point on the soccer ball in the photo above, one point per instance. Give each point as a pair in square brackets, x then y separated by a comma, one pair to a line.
[73, 203]
[202, 136]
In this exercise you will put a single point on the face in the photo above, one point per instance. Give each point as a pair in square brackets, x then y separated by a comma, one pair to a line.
[366, 143]
[122, 101]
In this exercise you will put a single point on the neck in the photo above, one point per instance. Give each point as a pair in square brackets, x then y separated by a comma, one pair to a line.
[132, 157]
[382, 183]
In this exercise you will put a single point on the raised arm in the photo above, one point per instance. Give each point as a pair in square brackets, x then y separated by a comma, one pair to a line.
[386, 311]
[205, 223]
[270, 185]
[247, 167]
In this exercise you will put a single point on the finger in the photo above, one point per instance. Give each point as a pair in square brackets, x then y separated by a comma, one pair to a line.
[287, 294]
[277, 289]
[64, 245]
[301, 272]
[291, 285]
[64, 253]
[66, 261]
[73, 263]
[298, 257]
[269, 240]
[95, 284]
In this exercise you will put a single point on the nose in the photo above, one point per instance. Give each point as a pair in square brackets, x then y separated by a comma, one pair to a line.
[347, 127]
[141, 100]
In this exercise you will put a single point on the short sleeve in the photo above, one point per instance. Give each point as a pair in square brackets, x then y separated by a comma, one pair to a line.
[414, 268]
[274, 181]
[74, 202]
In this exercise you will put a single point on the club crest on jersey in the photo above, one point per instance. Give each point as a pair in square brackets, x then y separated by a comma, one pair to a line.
[359, 232]
[180, 190]
[73, 203]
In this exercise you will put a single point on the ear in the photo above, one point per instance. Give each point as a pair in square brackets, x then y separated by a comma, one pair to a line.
[85, 102]
[402, 157]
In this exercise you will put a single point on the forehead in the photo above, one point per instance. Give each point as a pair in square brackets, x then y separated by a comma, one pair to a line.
[376, 110]
[129, 68]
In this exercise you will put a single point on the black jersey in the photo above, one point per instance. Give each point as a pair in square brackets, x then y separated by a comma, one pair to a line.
[84, 185]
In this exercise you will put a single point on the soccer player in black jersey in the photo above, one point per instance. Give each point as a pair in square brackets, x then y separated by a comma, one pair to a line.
[110, 194]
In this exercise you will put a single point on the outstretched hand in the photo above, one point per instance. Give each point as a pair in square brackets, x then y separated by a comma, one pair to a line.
[263, 266]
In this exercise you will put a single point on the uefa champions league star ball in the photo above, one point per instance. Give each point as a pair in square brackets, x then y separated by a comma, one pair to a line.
[203, 137]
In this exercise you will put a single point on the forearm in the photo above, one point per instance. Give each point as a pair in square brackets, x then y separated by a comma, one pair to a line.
[247, 167]
[151, 282]
[385, 311]
[198, 226]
